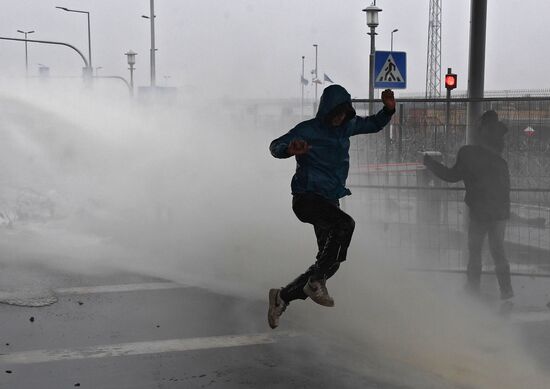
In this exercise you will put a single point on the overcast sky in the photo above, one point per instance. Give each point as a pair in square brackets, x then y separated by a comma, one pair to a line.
[254, 47]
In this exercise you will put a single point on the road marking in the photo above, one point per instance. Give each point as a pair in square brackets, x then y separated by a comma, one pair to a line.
[120, 288]
[141, 348]
[27, 299]
[48, 297]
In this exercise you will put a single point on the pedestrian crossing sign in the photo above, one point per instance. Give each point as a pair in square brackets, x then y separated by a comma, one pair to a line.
[390, 69]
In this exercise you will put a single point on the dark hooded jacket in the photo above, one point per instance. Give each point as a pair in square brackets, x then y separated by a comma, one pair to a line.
[324, 168]
[484, 172]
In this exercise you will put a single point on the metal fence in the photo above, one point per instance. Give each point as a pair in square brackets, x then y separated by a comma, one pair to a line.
[422, 216]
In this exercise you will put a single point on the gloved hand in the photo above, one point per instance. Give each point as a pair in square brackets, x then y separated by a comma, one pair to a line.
[298, 147]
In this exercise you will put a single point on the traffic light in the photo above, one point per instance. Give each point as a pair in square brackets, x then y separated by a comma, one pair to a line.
[450, 81]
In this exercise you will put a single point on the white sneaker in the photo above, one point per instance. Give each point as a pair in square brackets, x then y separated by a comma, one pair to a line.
[276, 307]
[317, 291]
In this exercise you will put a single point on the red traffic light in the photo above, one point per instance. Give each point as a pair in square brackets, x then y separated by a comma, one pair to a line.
[450, 81]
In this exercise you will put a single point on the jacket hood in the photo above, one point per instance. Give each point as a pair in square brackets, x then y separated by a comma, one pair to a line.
[491, 131]
[332, 97]
[488, 122]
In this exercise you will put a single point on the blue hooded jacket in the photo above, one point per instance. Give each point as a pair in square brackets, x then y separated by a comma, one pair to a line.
[324, 168]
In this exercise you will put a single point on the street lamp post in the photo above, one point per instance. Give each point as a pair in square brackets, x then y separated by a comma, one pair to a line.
[131, 56]
[151, 17]
[316, 81]
[26, 51]
[89, 69]
[372, 22]
[391, 45]
[302, 84]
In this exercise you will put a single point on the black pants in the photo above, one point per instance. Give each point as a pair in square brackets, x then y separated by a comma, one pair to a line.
[477, 231]
[333, 229]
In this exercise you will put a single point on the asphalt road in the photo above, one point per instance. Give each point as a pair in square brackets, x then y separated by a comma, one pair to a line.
[130, 331]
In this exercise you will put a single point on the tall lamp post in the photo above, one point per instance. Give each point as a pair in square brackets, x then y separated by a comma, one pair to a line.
[151, 17]
[26, 51]
[131, 56]
[89, 69]
[391, 45]
[372, 22]
[316, 80]
[302, 84]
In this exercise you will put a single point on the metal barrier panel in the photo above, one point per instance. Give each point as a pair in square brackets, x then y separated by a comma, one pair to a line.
[423, 216]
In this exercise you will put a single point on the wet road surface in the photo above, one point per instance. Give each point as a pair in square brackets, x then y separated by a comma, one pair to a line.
[129, 331]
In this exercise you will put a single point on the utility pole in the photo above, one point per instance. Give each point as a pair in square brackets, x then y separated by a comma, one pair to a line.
[316, 81]
[26, 50]
[151, 18]
[153, 64]
[89, 70]
[372, 34]
[372, 12]
[302, 83]
[391, 44]
[476, 64]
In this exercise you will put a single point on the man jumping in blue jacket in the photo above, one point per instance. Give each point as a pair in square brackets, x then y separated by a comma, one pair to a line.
[321, 147]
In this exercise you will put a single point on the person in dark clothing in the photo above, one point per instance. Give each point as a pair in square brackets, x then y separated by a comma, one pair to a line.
[487, 180]
[321, 147]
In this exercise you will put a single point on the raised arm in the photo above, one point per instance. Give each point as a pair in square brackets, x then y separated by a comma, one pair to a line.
[375, 123]
[453, 174]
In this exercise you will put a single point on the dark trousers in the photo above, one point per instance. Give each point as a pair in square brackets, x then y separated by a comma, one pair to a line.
[333, 229]
[477, 231]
